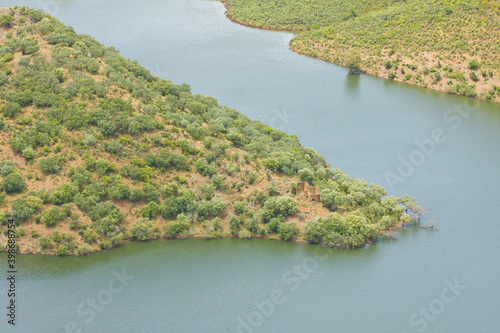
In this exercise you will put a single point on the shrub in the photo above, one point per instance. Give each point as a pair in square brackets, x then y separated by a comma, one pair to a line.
[150, 210]
[141, 229]
[10, 109]
[45, 242]
[51, 164]
[136, 195]
[62, 250]
[13, 183]
[20, 209]
[473, 64]
[51, 216]
[239, 208]
[174, 229]
[112, 146]
[306, 175]
[473, 76]
[6, 167]
[3, 77]
[28, 153]
[5, 20]
[244, 234]
[287, 231]
[234, 224]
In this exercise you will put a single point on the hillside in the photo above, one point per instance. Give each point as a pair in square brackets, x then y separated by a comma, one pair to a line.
[95, 150]
[450, 46]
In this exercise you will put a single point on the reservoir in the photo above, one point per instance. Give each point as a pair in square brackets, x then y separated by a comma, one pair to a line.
[442, 149]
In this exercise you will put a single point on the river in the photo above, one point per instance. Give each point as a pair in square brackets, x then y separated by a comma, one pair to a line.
[443, 149]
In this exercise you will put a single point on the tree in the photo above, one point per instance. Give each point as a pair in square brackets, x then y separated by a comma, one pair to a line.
[51, 216]
[28, 153]
[62, 250]
[239, 207]
[45, 242]
[141, 229]
[353, 61]
[174, 229]
[234, 224]
[306, 175]
[51, 164]
[20, 209]
[6, 167]
[150, 209]
[287, 231]
[331, 198]
[13, 183]
[315, 230]
[5, 20]
[10, 109]
[473, 64]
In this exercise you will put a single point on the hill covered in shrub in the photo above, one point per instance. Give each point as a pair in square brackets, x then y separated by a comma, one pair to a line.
[95, 150]
[447, 45]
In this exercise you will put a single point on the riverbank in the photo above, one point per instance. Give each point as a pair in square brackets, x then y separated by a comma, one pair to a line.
[398, 225]
[425, 55]
[86, 164]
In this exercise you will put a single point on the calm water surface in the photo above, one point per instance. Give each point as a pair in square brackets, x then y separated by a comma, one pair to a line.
[364, 125]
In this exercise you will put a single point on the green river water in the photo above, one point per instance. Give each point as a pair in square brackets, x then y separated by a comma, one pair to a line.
[443, 149]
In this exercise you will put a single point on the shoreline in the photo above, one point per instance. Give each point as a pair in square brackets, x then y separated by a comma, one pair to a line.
[398, 225]
[232, 19]
[335, 63]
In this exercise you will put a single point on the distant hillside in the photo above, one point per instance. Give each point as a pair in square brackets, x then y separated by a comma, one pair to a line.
[451, 46]
[95, 150]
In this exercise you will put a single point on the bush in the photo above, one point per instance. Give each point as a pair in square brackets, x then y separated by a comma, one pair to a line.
[5, 20]
[10, 109]
[244, 234]
[51, 216]
[51, 164]
[112, 146]
[174, 229]
[13, 183]
[239, 208]
[473, 64]
[20, 209]
[234, 224]
[136, 195]
[279, 206]
[306, 175]
[3, 77]
[28, 153]
[62, 250]
[287, 231]
[6, 167]
[473, 76]
[141, 229]
[45, 242]
[150, 210]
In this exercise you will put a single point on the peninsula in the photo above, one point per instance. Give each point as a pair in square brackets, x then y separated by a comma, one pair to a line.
[95, 150]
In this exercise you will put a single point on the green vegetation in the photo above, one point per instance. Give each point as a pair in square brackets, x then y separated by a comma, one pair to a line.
[97, 147]
[400, 40]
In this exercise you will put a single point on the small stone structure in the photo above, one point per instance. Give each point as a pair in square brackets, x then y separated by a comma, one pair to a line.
[312, 192]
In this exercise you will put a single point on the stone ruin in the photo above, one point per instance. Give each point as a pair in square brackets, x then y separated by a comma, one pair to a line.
[311, 192]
